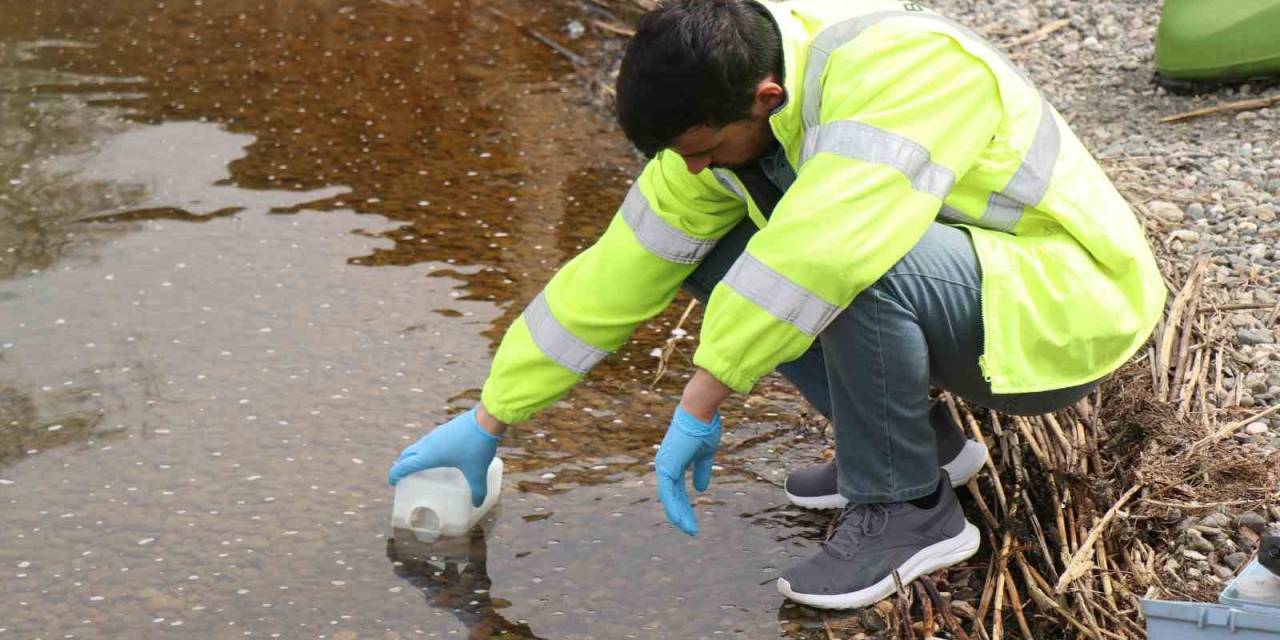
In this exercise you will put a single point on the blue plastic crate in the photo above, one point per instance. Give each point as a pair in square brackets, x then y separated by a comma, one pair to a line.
[1168, 620]
[1235, 618]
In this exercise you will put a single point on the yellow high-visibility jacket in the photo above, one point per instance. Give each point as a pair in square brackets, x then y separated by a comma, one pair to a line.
[895, 118]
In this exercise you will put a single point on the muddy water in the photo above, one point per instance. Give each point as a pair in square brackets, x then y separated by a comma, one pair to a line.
[248, 251]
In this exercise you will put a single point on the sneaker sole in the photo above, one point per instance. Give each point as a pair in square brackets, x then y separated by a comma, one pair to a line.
[963, 468]
[938, 555]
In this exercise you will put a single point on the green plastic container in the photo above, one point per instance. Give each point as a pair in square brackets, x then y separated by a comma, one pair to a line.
[1218, 40]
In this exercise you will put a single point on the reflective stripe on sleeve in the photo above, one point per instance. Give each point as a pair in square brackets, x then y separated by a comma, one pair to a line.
[999, 216]
[725, 178]
[862, 141]
[1002, 213]
[659, 237]
[782, 298]
[1031, 181]
[556, 342]
[951, 214]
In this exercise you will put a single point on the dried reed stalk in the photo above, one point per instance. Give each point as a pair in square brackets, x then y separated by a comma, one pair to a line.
[669, 347]
[1078, 495]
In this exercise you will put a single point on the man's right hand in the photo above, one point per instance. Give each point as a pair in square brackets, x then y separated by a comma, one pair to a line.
[461, 443]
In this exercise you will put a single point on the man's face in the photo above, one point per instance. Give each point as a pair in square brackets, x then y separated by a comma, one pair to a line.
[731, 146]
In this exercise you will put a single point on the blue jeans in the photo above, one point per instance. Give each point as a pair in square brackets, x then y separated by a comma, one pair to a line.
[871, 369]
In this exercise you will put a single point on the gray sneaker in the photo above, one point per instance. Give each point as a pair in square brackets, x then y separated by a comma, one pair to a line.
[855, 567]
[815, 487]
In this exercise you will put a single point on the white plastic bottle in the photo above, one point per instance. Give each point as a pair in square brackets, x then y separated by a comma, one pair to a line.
[436, 503]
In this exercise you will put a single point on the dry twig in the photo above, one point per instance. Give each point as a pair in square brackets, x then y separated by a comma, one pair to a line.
[670, 346]
[1081, 561]
[1230, 429]
[1038, 34]
[904, 608]
[944, 608]
[615, 29]
[576, 59]
[1239, 105]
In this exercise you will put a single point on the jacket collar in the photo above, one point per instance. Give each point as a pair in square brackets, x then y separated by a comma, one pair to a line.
[786, 119]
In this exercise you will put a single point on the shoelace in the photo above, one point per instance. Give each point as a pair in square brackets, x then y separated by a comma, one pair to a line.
[856, 522]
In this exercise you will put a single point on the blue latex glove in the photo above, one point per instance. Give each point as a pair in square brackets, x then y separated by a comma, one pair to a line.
[688, 441]
[460, 442]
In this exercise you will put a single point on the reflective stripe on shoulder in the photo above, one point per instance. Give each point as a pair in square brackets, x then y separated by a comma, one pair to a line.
[782, 298]
[862, 141]
[556, 342]
[1029, 183]
[831, 38]
[659, 237]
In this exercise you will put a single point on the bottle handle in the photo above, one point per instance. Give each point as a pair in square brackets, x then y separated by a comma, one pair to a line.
[424, 523]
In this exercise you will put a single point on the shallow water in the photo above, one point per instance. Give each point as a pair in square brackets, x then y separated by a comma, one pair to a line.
[248, 251]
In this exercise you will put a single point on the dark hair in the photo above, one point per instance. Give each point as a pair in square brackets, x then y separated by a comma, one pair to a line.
[692, 63]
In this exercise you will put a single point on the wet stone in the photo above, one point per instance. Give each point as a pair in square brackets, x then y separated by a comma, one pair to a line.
[1262, 214]
[1256, 522]
[1198, 543]
[1226, 545]
[1217, 519]
[1234, 560]
[871, 621]
[1208, 530]
[1249, 337]
[1166, 211]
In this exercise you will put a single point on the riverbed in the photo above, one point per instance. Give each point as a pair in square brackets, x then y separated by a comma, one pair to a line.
[249, 251]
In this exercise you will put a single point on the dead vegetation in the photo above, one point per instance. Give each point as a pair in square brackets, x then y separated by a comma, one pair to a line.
[1080, 508]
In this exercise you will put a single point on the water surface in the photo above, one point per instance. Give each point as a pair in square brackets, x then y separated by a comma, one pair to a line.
[248, 251]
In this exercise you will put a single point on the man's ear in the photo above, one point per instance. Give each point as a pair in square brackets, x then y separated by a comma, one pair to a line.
[769, 95]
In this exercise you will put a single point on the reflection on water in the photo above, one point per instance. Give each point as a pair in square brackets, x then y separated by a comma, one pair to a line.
[179, 166]
[250, 250]
[453, 575]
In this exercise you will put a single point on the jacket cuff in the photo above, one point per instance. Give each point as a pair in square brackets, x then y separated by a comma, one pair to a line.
[505, 413]
[727, 371]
